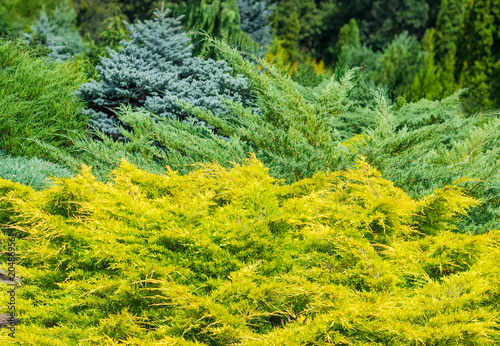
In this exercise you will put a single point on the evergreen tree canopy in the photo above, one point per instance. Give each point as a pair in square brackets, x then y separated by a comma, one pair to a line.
[437, 79]
[449, 24]
[379, 22]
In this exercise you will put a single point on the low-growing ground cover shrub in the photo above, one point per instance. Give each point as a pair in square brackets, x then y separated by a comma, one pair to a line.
[33, 172]
[221, 257]
[36, 101]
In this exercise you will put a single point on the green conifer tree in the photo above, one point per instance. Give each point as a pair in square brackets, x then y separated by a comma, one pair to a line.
[479, 53]
[218, 18]
[349, 35]
[291, 38]
[436, 80]
[60, 33]
[449, 24]
[400, 62]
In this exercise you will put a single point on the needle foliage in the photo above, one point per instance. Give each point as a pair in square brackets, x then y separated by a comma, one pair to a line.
[234, 257]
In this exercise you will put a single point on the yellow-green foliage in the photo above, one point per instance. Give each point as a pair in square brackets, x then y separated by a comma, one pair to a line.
[222, 257]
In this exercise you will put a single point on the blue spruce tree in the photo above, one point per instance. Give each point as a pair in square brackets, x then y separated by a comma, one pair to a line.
[60, 34]
[254, 15]
[155, 70]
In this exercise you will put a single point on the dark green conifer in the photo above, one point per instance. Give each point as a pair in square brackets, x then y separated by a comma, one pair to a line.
[218, 18]
[436, 80]
[479, 53]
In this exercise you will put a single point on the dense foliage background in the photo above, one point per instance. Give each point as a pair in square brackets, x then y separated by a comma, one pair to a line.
[252, 171]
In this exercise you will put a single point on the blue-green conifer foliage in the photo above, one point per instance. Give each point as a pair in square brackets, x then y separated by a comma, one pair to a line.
[155, 69]
[254, 16]
[59, 32]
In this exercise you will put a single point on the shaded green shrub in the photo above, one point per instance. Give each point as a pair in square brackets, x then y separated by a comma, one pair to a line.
[393, 69]
[430, 144]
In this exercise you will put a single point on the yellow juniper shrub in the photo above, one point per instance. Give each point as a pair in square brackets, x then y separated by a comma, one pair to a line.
[223, 257]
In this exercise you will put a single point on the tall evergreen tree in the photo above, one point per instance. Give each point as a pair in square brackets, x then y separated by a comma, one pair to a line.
[348, 36]
[379, 22]
[449, 24]
[479, 52]
[313, 22]
[437, 79]
[400, 62]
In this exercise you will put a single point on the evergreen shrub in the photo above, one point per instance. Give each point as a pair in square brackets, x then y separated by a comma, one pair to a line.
[298, 131]
[393, 69]
[220, 257]
[430, 144]
[36, 101]
[33, 172]
[59, 33]
[152, 71]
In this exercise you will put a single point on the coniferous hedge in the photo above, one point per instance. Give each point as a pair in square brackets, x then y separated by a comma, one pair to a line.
[299, 131]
